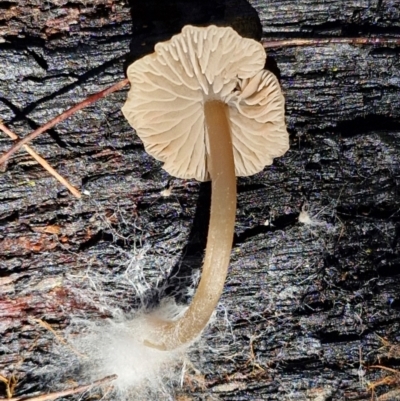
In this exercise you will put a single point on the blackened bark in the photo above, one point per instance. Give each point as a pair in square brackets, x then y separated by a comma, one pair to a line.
[306, 306]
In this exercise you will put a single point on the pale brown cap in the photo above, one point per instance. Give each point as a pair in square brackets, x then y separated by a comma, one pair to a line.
[169, 89]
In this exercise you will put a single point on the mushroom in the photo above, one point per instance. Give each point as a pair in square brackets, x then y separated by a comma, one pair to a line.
[203, 104]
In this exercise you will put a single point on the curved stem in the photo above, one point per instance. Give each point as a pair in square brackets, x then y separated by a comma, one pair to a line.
[168, 336]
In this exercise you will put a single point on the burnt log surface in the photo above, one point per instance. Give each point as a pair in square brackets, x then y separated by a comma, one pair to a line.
[312, 299]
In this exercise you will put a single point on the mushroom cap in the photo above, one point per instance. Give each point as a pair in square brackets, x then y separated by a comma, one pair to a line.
[169, 87]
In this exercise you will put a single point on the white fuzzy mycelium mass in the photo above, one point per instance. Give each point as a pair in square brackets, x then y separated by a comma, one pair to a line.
[115, 346]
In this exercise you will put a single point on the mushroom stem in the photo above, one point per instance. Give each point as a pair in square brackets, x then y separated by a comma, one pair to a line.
[220, 161]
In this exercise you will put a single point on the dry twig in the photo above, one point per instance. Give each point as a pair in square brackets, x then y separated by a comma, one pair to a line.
[10, 384]
[392, 380]
[63, 116]
[270, 44]
[42, 162]
[58, 394]
[58, 337]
